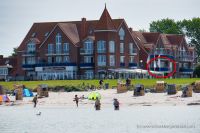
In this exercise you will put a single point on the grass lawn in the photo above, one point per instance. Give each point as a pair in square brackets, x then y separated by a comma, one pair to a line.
[53, 83]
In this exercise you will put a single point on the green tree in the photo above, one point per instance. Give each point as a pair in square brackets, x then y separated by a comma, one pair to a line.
[14, 52]
[191, 29]
[197, 71]
[168, 26]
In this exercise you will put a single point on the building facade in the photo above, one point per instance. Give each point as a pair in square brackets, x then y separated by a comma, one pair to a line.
[90, 49]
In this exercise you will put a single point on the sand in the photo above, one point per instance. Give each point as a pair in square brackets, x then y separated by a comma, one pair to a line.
[125, 99]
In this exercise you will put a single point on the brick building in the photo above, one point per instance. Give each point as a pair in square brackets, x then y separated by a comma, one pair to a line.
[93, 48]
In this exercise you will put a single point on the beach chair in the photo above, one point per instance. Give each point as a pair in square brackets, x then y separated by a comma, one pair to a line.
[160, 87]
[196, 88]
[1, 90]
[171, 89]
[187, 91]
[139, 90]
[121, 88]
[18, 92]
[42, 90]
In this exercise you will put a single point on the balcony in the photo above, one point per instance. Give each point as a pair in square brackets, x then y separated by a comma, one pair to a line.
[186, 58]
[101, 51]
[29, 53]
[86, 51]
[122, 64]
[160, 69]
[55, 64]
[132, 52]
[28, 66]
[52, 53]
[186, 70]
[154, 56]
[86, 65]
[133, 65]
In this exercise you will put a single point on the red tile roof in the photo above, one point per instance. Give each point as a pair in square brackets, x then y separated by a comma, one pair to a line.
[71, 31]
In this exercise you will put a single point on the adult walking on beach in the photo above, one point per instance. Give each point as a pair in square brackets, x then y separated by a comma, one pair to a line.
[97, 104]
[35, 100]
[76, 99]
[116, 104]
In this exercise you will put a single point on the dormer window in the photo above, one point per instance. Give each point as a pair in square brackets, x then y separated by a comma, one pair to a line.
[121, 34]
[31, 47]
[46, 34]
[33, 35]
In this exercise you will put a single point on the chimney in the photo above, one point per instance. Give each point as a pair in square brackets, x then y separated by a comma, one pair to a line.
[130, 29]
[1, 57]
[83, 28]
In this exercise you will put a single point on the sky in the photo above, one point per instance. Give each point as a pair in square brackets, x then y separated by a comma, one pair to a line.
[17, 16]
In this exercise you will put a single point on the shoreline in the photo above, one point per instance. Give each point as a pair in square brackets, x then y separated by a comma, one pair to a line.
[126, 99]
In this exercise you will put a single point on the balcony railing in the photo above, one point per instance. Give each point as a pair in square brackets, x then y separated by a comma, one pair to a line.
[155, 56]
[187, 70]
[160, 69]
[132, 64]
[57, 52]
[185, 58]
[101, 50]
[29, 53]
[86, 51]
[55, 64]
[86, 64]
[122, 64]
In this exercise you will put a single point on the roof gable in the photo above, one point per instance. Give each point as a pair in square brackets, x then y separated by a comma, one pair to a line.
[105, 22]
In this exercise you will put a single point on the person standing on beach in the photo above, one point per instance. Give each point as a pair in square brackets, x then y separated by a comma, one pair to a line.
[35, 100]
[116, 104]
[97, 104]
[76, 99]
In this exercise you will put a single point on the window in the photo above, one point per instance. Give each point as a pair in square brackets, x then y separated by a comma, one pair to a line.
[121, 48]
[131, 48]
[66, 59]
[58, 59]
[88, 47]
[111, 46]
[33, 35]
[88, 59]
[89, 74]
[50, 49]
[121, 34]
[31, 47]
[122, 59]
[66, 47]
[58, 43]
[131, 59]
[112, 60]
[30, 60]
[101, 46]
[50, 59]
[101, 60]
[3, 71]
[46, 34]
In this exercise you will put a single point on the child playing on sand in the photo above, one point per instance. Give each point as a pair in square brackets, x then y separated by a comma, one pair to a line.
[76, 100]
[97, 104]
[35, 100]
[116, 104]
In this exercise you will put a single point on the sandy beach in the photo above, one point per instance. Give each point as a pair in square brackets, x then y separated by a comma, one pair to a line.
[125, 99]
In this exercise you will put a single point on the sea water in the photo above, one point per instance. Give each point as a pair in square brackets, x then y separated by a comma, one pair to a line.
[151, 119]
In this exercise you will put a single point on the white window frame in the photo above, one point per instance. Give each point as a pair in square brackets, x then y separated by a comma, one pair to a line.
[112, 60]
[121, 48]
[122, 59]
[66, 47]
[101, 46]
[111, 46]
[101, 61]
[121, 34]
